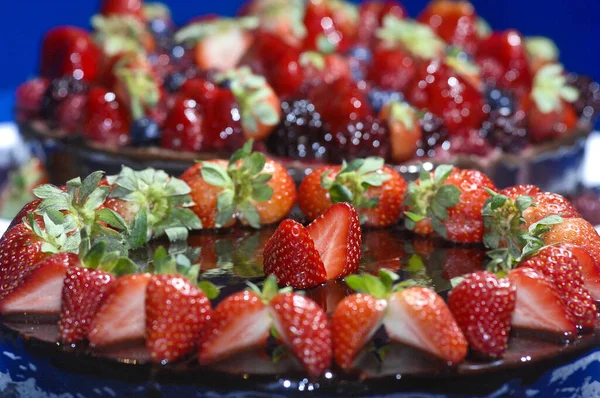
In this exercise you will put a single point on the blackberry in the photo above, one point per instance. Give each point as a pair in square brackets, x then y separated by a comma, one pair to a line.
[300, 134]
[501, 101]
[369, 137]
[587, 105]
[434, 135]
[379, 98]
[59, 89]
[507, 132]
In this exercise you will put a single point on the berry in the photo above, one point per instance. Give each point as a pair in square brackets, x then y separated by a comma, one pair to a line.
[359, 58]
[300, 134]
[588, 103]
[391, 69]
[404, 129]
[576, 231]
[371, 15]
[122, 7]
[184, 127]
[368, 137]
[506, 130]
[482, 305]
[144, 132]
[328, 27]
[28, 98]
[500, 100]
[174, 81]
[105, 120]
[379, 98]
[60, 89]
[434, 135]
[70, 111]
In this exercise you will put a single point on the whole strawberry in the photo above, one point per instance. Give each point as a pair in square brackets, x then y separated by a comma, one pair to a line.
[482, 305]
[375, 190]
[448, 201]
[258, 190]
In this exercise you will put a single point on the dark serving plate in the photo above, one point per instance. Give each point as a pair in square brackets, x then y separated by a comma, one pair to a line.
[553, 166]
[231, 258]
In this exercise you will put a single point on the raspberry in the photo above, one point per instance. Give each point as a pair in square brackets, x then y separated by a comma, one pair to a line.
[369, 137]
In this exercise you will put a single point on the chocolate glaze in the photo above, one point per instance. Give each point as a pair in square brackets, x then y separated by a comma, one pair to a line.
[229, 259]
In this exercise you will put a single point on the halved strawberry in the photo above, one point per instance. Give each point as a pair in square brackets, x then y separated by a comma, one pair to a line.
[420, 318]
[589, 269]
[354, 322]
[560, 266]
[539, 306]
[240, 322]
[483, 305]
[122, 316]
[405, 130]
[303, 326]
[39, 292]
[337, 238]
[576, 231]
[291, 255]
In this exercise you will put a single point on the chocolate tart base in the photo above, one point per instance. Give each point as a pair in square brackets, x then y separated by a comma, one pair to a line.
[553, 166]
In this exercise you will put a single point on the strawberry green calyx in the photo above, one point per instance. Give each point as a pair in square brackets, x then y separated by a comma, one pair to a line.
[380, 287]
[197, 31]
[462, 63]
[404, 113]
[430, 198]
[354, 179]
[254, 96]
[270, 289]
[118, 34]
[81, 203]
[156, 10]
[314, 59]
[58, 233]
[541, 48]
[161, 203]
[243, 184]
[166, 264]
[417, 38]
[550, 89]
[288, 13]
[142, 89]
[101, 257]
[483, 28]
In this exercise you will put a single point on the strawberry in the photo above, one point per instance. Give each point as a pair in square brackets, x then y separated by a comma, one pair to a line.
[69, 113]
[176, 312]
[561, 267]
[448, 202]
[548, 203]
[292, 257]
[303, 327]
[219, 43]
[391, 69]
[280, 18]
[28, 98]
[341, 103]
[589, 268]
[29, 207]
[405, 130]
[419, 317]
[354, 322]
[122, 34]
[331, 25]
[520, 190]
[184, 127]
[453, 21]
[576, 231]
[69, 51]
[320, 69]
[39, 289]
[417, 40]
[122, 315]
[503, 61]
[538, 305]
[447, 94]
[541, 51]
[105, 119]
[372, 13]
[153, 198]
[549, 106]
[122, 7]
[482, 305]
[257, 190]
[374, 189]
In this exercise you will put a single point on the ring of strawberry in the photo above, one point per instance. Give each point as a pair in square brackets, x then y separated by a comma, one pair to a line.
[415, 316]
[374, 189]
[242, 321]
[153, 203]
[448, 201]
[328, 248]
[257, 190]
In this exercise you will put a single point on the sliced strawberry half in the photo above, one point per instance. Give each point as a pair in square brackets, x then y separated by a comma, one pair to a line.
[122, 316]
[40, 290]
[239, 323]
[589, 268]
[337, 237]
[420, 318]
[304, 328]
[291, 255]
[354, 322]
[539, 306]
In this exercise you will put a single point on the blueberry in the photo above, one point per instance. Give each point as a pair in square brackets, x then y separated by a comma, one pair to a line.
[225, 83]
[362, 54]
[378, 98]
[144, 132]
[178, 51]
[501, 101]
[174, 81]
[159, 27]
